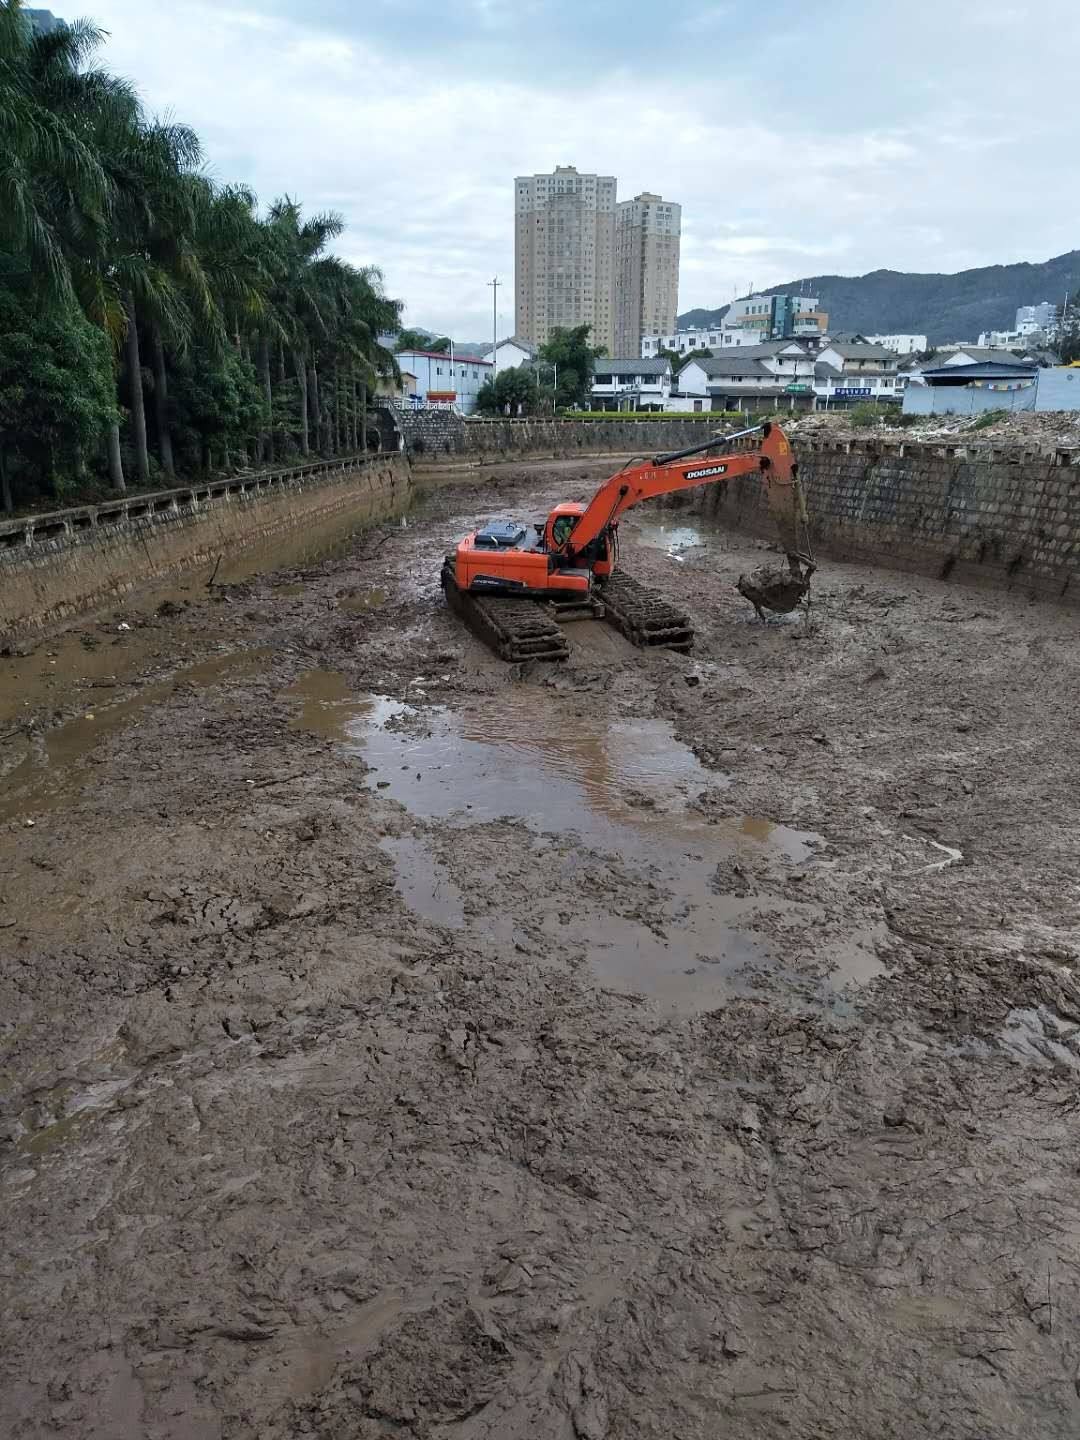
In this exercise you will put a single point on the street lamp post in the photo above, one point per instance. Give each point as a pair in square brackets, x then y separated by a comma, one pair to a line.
[494, 328]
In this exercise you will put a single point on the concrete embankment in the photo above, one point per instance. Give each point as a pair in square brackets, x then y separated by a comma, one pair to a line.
[58, 565]
[1004, 514]
[986, 513]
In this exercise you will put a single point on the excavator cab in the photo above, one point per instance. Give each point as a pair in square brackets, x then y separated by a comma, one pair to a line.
[560, 527]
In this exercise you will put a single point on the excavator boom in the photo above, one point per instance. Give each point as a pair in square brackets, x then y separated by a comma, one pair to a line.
[763, 449]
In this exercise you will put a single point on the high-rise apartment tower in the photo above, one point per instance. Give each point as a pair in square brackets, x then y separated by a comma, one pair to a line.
[564, 254]
[646, 270]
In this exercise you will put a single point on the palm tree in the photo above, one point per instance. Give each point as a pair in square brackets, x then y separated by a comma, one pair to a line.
[52, 178]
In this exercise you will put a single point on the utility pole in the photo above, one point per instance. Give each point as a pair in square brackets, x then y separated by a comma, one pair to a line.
[494, 328]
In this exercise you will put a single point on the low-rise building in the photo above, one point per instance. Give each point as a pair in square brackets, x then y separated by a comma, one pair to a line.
[451, 382]
[845, 374]
[401, 390]
[900, 344]
[780, 362]
[685, 342]
[957, 389]
[632, 384]
[976, 355]
[511, 353]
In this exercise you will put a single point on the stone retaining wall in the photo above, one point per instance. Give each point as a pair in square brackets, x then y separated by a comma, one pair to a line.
[53, 566]
[1001, 514]
[435, 438]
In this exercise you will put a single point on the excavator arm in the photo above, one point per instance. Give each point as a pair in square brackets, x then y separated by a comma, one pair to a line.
[763, 450]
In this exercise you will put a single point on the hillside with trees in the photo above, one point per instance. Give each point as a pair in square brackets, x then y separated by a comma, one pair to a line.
[153, 322]
[942, 307]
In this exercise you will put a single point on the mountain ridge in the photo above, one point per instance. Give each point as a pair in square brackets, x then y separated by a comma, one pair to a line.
[940, 306]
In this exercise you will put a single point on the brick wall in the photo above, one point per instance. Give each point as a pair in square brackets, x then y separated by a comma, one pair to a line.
[54, 566]
[1000, 514]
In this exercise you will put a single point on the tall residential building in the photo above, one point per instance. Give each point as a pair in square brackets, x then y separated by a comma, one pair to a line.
[564, 254]
[647, 232]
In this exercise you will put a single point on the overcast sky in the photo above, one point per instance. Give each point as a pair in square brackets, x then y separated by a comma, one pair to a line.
[800, 137]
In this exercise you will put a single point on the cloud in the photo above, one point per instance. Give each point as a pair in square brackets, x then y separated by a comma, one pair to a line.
[802, 142]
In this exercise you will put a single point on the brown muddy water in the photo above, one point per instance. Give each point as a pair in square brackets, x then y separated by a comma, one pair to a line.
[600, 796]
[50, 773]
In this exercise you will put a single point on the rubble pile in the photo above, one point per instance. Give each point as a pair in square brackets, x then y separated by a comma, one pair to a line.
[1045, 428]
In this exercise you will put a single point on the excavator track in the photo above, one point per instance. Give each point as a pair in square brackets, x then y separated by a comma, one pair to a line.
[643, 615]
[517, 630]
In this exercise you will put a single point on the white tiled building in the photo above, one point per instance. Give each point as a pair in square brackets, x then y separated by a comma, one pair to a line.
[511, 353]
[449, 381]
[685, 342]
[901, 344]
[633, 384]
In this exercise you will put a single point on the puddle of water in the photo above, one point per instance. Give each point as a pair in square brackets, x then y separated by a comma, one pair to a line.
[621, 787]
[327, 704]
[797, 845]
[424, 883]
[357, 601]
[675, 540]
[688, 963]
[616, 786]
[557, 773]
[33, 787]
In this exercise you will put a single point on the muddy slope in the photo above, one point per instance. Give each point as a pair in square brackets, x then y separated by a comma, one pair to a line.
[398, 1044]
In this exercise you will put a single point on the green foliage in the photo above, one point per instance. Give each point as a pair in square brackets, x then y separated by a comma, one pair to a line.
[705, 417]
[571, 353]
[1068, 342]
[413, 340]
[988, 418]
[510, 388]
[869, 412]
[228, 331]
[56, 393]
[217, 405]
[678, 360]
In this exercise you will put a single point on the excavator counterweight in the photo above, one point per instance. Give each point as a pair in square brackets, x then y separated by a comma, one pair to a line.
[513, 583]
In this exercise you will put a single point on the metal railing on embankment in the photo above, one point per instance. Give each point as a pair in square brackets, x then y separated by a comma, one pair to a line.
[30, 530]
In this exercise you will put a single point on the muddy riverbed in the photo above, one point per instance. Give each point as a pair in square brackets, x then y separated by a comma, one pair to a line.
[397, 1043]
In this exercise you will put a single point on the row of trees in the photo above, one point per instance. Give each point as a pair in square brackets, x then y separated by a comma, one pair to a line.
[561, 376]
[152, 321]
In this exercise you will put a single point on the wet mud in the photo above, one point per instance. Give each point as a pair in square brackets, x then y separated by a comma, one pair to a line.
[395, 1042]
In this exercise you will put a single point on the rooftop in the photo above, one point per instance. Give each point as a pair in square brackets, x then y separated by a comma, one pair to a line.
[983, 370]
[733, 367]
[981, 354]
[530, 350]
[445, 355]
[860, 350]
[659, 366]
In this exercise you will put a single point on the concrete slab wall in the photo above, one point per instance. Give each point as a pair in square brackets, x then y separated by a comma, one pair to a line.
[960, 400]
[1002, 515]
[55, 566]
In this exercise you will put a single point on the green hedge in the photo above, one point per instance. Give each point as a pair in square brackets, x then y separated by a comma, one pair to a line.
[706, 417]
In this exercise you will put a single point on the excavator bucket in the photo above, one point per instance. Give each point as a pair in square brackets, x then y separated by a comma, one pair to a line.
[773, 588]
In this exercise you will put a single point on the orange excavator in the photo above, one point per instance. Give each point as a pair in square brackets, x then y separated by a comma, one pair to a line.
[513, 588]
